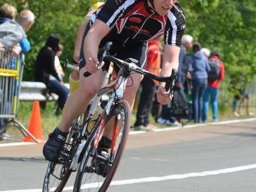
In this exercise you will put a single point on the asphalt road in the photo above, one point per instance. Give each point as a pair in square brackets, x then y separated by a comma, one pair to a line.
[208, 158]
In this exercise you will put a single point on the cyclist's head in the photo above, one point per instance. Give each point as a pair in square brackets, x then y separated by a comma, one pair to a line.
[97, 5]
[162, 6]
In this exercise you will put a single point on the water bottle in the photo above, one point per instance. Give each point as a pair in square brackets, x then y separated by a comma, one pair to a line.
[94, 119]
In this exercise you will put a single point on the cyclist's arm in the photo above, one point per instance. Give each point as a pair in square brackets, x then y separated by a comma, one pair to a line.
[103, 21]
[91, 44]
[79, 38]
[170, 61]
[78, 42]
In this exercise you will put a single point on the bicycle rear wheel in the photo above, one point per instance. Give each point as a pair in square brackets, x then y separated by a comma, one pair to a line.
[88, 178]
[57, 174]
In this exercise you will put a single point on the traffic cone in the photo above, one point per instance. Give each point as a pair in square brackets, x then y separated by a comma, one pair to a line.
[35, 124]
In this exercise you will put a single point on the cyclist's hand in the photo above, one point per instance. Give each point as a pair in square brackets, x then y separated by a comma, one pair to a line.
[92, 64]
[163, 96]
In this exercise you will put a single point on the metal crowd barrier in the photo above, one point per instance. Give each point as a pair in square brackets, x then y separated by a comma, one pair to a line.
[11, 71]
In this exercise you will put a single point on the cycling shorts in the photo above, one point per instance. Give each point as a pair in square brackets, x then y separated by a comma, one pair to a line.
[136, 50]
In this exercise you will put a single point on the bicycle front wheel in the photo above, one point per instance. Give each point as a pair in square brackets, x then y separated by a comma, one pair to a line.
[88, 177]
[57, 174]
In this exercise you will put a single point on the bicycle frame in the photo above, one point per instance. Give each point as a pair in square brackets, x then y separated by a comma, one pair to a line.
[117, 90]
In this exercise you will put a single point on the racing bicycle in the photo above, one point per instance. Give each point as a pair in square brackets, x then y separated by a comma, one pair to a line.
[80, 152]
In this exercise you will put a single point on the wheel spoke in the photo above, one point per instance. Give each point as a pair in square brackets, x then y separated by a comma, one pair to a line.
[95, 174]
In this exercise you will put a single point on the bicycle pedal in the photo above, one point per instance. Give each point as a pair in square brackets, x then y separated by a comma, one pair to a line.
[102, 169]
[101, 164]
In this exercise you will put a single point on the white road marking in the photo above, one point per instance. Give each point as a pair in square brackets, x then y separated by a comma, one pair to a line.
[205, 124]
[16, 144]
[159, 179]
[149, 159]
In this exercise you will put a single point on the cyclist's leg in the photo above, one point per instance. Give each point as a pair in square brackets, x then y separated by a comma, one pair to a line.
[75, 105]
[81, 97]
[87, 89]
[139, 53]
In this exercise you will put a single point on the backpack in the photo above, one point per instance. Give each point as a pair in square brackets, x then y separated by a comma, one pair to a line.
[214, 72]
[180, 108]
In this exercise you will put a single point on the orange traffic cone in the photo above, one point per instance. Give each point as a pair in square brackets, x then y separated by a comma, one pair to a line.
[35, 125]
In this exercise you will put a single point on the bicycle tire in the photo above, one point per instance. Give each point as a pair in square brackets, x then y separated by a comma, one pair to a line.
[99, 183]
[57, 174]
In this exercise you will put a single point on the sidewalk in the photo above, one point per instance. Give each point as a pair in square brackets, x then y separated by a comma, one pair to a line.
[142, 138]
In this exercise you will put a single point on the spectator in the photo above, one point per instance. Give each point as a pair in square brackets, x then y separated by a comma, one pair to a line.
[45, 70]
[26, 19]
[213, 90]
[12, 33]
[199, 73]
[7, 13]
[206, 52]
[187, 43]
[148, 86]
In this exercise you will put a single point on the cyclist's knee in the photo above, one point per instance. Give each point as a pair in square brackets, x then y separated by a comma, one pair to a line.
[86, 91]
[91, 84]
[134, 83]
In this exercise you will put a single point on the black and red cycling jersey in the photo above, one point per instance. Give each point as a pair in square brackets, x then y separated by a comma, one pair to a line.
[133, 21]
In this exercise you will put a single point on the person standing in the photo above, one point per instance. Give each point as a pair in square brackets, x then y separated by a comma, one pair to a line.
[7, 16]
[213, 90]
[26, 19]
[243, 96]
[153, 64]
[199, 73]
[187, 43]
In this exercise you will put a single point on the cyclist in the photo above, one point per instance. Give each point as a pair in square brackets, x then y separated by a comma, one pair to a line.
[129, 25]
